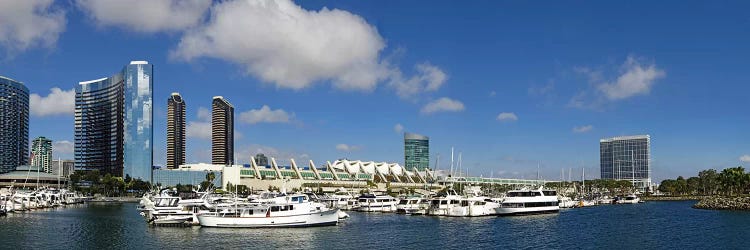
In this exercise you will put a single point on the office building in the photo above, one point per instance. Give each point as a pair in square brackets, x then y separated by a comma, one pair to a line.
[113, 122]
[62, 168]
[222, 132]
[416, 152]
[175, 131]
[261, 160]
[626, 158]
[41, 153]
[14, 124]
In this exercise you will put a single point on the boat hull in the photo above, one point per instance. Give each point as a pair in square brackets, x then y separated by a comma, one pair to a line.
[506, 211]
[326, 218]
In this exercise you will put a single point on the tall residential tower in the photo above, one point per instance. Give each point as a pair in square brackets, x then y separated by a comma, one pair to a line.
[113, 125]
[626, 158]
[222, 132]
[41, 153]
[14, 124]
[175, 131]
[416, 152]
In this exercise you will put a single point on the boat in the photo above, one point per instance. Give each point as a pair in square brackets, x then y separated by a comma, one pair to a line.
[441, 204]
[413, 205]
[604, 200]
[629, 199]
[565, 202]
[525, 201]
[474, 206]
[297, 211]
[379, 203]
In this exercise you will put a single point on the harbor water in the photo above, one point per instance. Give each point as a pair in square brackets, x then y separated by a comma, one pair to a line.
[652, 225]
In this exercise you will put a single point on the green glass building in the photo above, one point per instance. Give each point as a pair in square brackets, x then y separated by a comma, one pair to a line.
[416, 152]
[41, 153]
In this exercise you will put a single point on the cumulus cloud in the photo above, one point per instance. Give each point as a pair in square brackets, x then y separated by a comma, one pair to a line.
[204, 114]
[282, 156]
[506, 116]
[745, 158]
[58, 102]
[199, 130]
[27, 24]
[284, 44]
[583, 129]
[62, 148]
[443, 104]
[146, 16]
[428, 78]
[634, 78]
[346, 147]
[398, 128]
[265, 115]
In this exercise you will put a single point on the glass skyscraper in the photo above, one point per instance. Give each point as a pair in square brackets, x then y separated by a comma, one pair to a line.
[222, 132]
[416, 151]
[175, 131]
[41, 153]
[14, 124]
[626, 158]
[113, 122]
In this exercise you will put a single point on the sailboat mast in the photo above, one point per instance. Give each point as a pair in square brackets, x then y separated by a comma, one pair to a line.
[451, 172]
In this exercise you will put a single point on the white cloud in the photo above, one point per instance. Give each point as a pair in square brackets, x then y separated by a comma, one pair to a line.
[398, 128]
[204, 114]
[506, 116]
[58, 102]
[636, 79]
[146, 16]
[199, 130]
[284, 44]
[428, 78]
[282, 156]
[62, 148]
[444, 104]
[26, 24]
[346, 147]
[493, 93]
[265, 115]
[583, 129]
[745, 158]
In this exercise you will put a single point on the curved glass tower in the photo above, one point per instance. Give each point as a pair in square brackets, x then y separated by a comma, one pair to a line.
[14, 124]
[416, 151]
[175, 131]
[113, 122]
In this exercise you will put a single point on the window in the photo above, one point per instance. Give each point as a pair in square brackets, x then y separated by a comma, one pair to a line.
[274, 209]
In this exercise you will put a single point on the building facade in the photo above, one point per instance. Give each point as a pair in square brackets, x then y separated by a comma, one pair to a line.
[626, 158]
[113, 122]
[62, 168]
[261, 160]
[416, 152]
[222, 132]
[175, 131]
[14, 124]
[41, 153]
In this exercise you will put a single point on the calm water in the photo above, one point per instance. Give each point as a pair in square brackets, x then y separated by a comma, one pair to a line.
[653, 225]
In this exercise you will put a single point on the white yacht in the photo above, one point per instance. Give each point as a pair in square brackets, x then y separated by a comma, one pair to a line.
[527, 201]
[296, 211]
[629, 199]
[474, 206]
[379, 203]
[604, 200]
[413, 205]
[566, 202]
[441, 204]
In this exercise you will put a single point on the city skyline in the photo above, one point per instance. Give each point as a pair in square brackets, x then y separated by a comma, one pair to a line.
[508, 84]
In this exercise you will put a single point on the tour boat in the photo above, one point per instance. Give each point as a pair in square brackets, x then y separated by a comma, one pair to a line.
[629, 199]
[297, 211]
[526, 201]
[413, 205]
[380, 203]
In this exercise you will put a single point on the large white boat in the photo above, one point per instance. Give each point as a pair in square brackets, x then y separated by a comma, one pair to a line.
[413, 205]
[566, 202]
[474, 206]
[379, 203]
[525, 201]
[629, 199]
[443, 203]
[297, 211]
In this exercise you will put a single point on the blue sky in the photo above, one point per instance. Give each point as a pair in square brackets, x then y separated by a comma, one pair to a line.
[508, 83]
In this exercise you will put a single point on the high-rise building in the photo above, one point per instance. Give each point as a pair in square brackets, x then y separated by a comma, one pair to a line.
[175, 131]
[222, 132]
[261, 160]
[626, 158]
[113, 125]
[41, 153]
[14, 124]
[62, 168]
[416, 151]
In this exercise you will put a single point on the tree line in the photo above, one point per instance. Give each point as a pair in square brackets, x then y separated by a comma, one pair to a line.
[93, 182]
[730, 181]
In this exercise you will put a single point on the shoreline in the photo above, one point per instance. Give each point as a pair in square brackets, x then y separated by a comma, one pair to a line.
[724, 203]
[674, 198]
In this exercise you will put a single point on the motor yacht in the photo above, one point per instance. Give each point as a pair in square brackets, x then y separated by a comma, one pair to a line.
[379, 203]
[565, 202]
[413, 205]
[474, 206]
[441, 204]
[629, 199]
[525, 201]
[295, 211]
